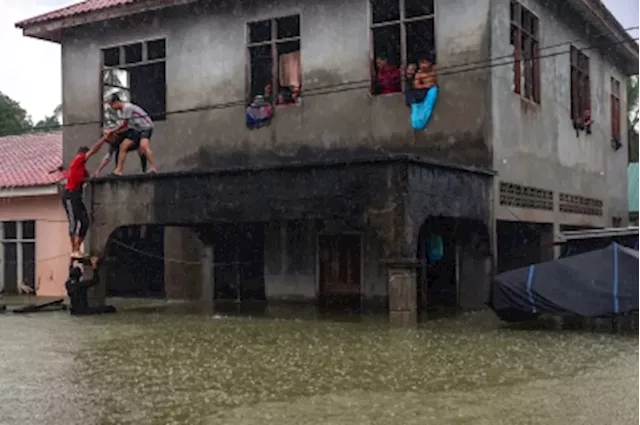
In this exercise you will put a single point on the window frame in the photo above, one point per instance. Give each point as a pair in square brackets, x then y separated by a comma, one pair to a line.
[19, 240]
[579, 75]
[123, 65]
[402, 22]
[616, 109]
[273, 43]
[516, 23]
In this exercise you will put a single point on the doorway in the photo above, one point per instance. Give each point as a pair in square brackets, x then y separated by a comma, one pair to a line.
[239, 262]
[138, 267]
[340, 271]
[439, 252]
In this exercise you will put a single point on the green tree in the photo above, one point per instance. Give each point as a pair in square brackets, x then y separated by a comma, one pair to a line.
[49, 123]
[632, 101]
[13, 118]
[632, 118]
[114, 81]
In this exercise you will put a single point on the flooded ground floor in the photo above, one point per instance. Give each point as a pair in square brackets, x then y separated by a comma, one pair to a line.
[174, 367]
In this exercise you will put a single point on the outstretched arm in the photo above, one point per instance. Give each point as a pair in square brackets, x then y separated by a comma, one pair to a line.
[105, 160]
[96, 147]
[95, 279]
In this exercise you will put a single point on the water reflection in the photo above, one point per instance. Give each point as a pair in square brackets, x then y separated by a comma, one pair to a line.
[164, 367]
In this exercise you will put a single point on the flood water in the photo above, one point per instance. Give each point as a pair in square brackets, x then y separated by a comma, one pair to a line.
[174, 368]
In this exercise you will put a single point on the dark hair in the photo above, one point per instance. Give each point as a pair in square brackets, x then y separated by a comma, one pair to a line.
[75, 273]
[427, 56]
[83, 149]
[114, 98]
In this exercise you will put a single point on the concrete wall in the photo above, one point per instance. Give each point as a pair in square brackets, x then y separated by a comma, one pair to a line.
[52, 240]
[206, 58]
[291, 260]
[536, 145]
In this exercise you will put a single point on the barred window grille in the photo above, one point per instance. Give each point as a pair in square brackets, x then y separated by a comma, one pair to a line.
[577, 204]
[516, 195]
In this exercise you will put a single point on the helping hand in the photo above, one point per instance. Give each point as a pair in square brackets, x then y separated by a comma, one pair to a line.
[94, 262]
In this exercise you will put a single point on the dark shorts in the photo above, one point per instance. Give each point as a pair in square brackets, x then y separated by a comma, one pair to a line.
[135, 136]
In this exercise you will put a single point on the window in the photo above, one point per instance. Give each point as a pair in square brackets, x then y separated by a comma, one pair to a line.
[615, 109]
[137, 73]
[580, 87]
[402, 32]
[17, 256]
[526, 52]
[274, 60]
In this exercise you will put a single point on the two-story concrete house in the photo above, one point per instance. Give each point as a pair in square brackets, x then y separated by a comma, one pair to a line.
[338, 197]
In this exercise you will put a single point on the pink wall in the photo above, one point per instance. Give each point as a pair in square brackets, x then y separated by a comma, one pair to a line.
[52, 240]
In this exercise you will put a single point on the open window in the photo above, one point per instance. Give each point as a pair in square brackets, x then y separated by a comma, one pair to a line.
[274, 60]
[18, 257]
[402, 31]
[136, 72]
[524, 37]
[580, 89]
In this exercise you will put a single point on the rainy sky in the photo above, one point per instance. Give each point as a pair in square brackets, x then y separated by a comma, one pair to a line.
[32, 76]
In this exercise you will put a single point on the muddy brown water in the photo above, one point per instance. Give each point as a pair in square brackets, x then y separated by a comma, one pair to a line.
[171, 367]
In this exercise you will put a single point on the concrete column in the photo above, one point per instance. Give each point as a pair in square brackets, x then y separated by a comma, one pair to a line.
[557, 249]
[183, 251]
[208, 278]
[403, 305]
[97, 243]
[547, 250]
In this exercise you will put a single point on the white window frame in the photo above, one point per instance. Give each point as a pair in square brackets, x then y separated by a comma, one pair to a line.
[19, 240]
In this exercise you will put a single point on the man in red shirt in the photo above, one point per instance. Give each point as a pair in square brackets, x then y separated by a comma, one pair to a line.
[387, 77]
[76, 174]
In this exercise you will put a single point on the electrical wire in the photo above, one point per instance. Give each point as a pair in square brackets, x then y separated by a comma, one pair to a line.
[242, 102]
[365, 83]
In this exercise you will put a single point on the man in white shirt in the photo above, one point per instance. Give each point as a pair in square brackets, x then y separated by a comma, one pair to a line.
[137, 128]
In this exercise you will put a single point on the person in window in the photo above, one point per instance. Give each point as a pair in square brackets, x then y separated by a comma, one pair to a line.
[268, 94]
[425, 90]
[137, 128]
[409, 75]
[260, 111]
[387, 77]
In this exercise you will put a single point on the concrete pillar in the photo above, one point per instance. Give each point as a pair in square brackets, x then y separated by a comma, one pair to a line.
[547, 250]
[100, 234]
[208, 278]
[403, 303]
[557, 249]
[183, 252]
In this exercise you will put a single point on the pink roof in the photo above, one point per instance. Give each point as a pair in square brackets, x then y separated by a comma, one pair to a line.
[86, 6]
[27, 159]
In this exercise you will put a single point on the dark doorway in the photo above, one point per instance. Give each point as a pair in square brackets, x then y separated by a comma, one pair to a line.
[239, 262]
[136, 262]
[438, 274]
[519, 244]
[340, 270]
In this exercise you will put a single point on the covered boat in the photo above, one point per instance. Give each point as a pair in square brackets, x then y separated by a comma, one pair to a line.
[599, 283]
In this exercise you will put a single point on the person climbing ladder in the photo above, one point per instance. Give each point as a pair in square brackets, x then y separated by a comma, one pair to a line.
[72, 199]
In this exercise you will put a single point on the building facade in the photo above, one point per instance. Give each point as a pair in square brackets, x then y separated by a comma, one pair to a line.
[34, 242]
[339, 197]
